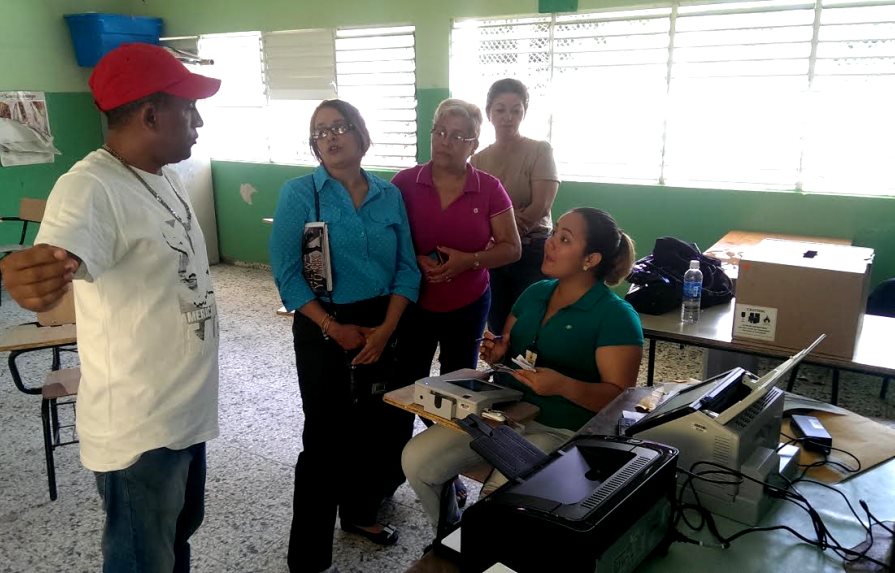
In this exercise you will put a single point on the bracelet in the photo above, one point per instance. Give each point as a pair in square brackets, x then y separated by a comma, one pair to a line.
[476, 263]
[325, 324]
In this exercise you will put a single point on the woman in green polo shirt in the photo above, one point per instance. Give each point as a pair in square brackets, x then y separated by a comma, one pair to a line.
[583, 341]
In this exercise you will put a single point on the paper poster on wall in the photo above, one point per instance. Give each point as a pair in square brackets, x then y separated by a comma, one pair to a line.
[25, 134]
[758, 322]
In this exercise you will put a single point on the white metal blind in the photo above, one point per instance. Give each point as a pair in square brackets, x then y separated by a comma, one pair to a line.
[609, 82]
[849, 145]
[236, 117]
[739, 73]
[299, 64]
[299, 68]
[376, 72]
[776, 94]
[483, 51]
[272, 82]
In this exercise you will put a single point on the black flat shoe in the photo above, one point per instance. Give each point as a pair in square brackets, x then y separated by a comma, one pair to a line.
[388, 535]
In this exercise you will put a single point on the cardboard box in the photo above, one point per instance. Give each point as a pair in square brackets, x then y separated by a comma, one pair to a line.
[735, 244]
[790, 292]
[62, 313]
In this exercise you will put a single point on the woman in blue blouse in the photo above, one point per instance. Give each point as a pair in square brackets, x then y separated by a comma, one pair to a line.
[344, 344]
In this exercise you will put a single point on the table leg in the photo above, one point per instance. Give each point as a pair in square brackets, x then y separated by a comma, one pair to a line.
[793, 374]
[834, 399]
[651, 362]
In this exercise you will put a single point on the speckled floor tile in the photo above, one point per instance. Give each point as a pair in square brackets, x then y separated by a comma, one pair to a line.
[263, 421]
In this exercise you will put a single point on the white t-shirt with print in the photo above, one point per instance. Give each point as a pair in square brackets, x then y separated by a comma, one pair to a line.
[146, 317]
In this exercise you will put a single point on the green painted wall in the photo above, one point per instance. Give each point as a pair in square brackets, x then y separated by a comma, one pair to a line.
[76, 128]
[242, 234]
[426, 102]
[36, 47]
[646, 211]
[37, 55]
[699, 215]
[705, 215]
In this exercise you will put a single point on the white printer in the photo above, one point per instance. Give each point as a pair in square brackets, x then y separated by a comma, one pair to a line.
[456, 395]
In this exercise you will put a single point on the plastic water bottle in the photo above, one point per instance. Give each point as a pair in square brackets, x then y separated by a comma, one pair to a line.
[692, 294]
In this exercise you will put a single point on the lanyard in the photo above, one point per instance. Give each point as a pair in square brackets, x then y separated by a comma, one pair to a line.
[188, 224]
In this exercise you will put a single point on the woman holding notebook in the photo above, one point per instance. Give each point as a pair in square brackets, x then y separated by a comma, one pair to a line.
[344, 335]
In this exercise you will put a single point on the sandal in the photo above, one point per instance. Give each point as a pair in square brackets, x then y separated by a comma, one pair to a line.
[387, 536]
[460, 492]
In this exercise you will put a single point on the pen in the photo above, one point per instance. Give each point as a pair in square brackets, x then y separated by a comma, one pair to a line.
[484, 338]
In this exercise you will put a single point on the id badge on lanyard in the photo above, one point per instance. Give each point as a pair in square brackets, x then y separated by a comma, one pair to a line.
[531, 355]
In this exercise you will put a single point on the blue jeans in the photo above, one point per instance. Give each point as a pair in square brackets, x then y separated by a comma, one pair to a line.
[455, 332]
[152, 508]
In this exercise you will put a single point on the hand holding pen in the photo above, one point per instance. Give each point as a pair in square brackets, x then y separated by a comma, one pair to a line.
[493, 346]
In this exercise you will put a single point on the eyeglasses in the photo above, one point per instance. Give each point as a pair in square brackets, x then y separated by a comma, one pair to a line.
[451, 138]
[335, 129]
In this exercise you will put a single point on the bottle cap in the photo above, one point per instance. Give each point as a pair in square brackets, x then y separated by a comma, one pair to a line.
[694, 265]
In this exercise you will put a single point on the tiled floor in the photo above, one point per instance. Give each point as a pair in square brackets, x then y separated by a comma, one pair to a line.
[250, 466]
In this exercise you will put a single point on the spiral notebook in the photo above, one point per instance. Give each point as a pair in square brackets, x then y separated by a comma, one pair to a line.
[316, 263]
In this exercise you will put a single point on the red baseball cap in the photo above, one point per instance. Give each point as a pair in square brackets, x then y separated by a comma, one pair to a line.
[134, 71]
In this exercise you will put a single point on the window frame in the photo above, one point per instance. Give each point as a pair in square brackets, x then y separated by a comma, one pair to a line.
[678, 11]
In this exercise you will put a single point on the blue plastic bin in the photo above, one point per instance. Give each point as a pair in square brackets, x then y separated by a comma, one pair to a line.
[94, 35]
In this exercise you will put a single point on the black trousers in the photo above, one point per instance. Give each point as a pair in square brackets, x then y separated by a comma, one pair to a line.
[351, 456]
[510, 281]
[456, 332]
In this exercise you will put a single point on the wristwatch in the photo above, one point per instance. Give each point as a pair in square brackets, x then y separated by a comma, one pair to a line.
[476, 263]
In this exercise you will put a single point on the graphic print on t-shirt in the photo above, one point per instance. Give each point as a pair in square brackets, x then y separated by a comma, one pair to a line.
[194, 301]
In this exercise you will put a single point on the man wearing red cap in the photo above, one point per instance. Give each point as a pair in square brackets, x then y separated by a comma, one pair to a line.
[121, 226]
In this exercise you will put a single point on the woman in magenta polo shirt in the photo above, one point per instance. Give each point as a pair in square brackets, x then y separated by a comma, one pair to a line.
[462, 224]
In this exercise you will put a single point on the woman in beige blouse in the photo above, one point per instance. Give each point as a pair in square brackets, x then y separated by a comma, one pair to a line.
[527, 170]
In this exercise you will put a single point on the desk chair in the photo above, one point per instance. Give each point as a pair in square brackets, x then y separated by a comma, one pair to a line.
[58, 384]
[30, 211]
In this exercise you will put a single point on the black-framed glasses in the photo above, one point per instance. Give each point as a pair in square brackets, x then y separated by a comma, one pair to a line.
[335, 129]
[452, 138]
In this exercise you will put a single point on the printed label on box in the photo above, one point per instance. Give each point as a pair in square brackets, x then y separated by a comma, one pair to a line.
[758, 322]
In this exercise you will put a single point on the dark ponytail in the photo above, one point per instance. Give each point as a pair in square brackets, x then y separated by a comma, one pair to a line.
[605, 237]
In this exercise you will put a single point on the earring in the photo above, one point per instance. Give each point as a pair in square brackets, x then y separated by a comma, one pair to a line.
[585, 267]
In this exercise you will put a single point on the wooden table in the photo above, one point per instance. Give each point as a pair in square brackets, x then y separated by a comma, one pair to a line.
[31, 337]
[873, 349]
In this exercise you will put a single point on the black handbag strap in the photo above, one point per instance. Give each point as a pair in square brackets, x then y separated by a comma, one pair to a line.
[329, 293]
[316, 197]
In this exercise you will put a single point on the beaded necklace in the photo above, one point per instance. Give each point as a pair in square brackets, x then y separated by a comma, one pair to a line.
[188, 223]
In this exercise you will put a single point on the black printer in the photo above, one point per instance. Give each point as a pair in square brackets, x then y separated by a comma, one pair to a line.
[599, 503]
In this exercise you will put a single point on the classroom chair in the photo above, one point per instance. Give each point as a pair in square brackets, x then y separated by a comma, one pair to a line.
[30, 211]
[54, 331]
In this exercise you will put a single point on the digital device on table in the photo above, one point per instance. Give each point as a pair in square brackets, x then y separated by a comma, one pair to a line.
[456, 397]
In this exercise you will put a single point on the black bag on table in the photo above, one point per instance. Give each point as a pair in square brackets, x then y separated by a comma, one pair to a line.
[658, 278]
